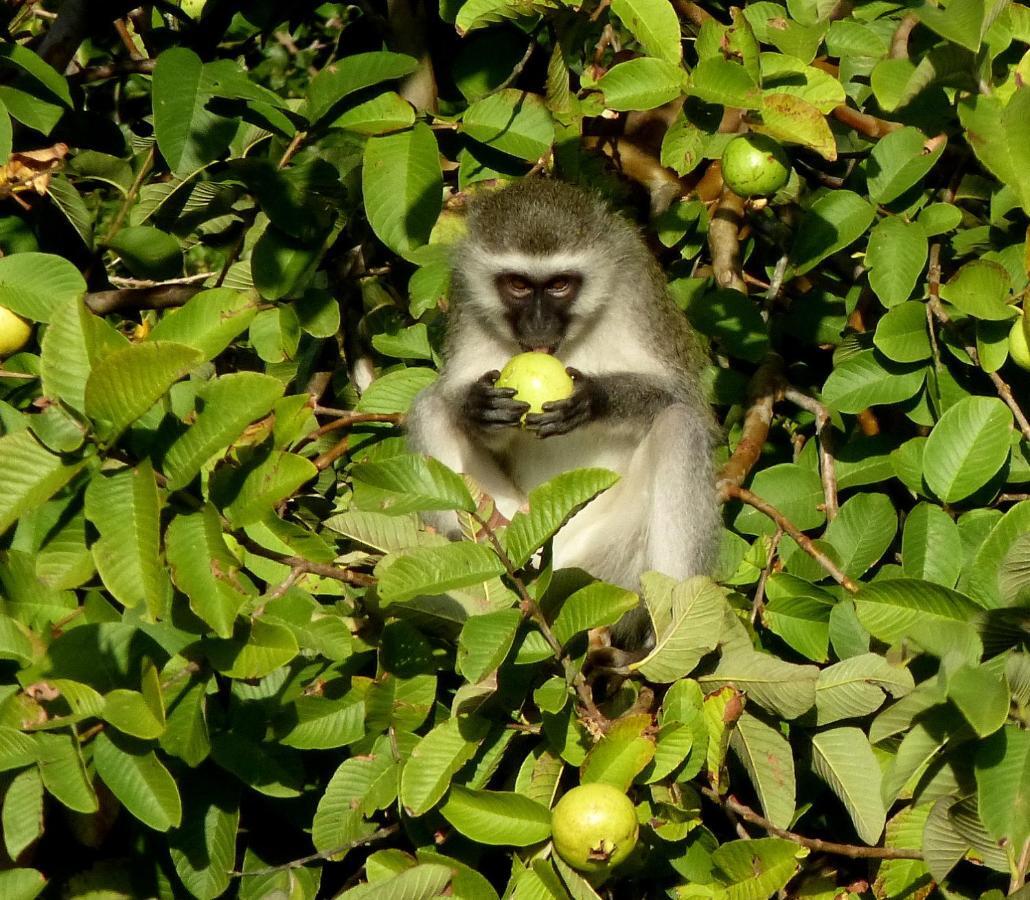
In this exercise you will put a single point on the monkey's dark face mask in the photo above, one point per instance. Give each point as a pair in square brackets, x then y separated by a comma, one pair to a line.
[538, 310]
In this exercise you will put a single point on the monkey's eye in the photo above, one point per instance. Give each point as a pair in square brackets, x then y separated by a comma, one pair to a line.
[517, 286]
[559, 286]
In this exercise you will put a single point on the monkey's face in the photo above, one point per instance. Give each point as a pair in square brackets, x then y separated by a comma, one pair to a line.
[538, 308]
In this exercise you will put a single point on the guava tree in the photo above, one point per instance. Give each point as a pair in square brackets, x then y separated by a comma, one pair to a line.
[232, 661]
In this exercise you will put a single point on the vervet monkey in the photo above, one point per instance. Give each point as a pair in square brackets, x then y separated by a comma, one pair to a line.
[547, 266]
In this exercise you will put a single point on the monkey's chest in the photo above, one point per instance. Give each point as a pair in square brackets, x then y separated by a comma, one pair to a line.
[530, 461]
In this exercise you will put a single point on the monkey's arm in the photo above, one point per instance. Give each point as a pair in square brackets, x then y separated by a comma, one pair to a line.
[491, 408]
[621, 397]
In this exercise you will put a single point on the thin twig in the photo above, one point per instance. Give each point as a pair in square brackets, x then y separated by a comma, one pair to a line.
[736, 492]
[381, 834]
[531, 609]
[148, 283]
[758, 601]
[824, 435]
[347, 419]
[518, 68]
[114, 70]
[130, 196]
[851, 851]
[324, 570]
[166, 297]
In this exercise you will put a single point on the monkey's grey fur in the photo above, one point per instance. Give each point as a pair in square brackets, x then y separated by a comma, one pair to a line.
[636, 350]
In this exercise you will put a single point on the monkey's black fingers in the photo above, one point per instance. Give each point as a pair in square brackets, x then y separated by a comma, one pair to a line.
[575, 374]
[488, 378]
[559, 417]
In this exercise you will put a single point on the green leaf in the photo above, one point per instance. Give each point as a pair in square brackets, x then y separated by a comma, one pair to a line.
[210, 321]
[148, 252]
[16, 749]
[280, 262]
[782, 74]
[899, 160]
[75, 341]
[862, 532]
[126, 509]
[319, 723]
[188, 134]
[22, 822]
[497, 818]
[70, 202]
[203, 568]
[967, 447]
[794, 490]
[717, 80]
[434, 570]
[983, 579]
[870, 379]
[409, 483]
[203, 849]
[34, 285]
[380, 115]
[484, 643]
[686, 617]
[1003, 785]
[63, 772]
[226, 406]
[249, 493]
[999, 134]
[757, 868]
[593, 606]
[435, 760]
[769, 761]
[126, 383]
[982, 696]
[835, 220]
[856, 686]
[896, 255]
[34, 66]
[892, 609]
[551, 505]
[931, 546]
[622, 753]
[139, 780]
[21, 884]
[350, 74]
[511, 121]
[30, 475]
[641, 83]
[780, 687]
[654, 24]
[129, 712]
[266, 647]
[981, 289]
[961, 21]
[477, 13]
[419, 883]
[733, 320]
[402, 186]
[799, 613]
[787, 117]
[843, 759]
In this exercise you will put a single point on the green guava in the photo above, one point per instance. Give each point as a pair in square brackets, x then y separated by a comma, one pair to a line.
[1019, 343]
[594, 827]
[14, 332]
[537, 379]
[754, 165]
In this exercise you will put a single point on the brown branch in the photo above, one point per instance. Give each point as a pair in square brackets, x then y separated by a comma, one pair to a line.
[724, 241]
[765, 389]
[899, 41]
[852, 851]
[73, 24]
[870, 126]
[693, 12]
[323, 570]
[381, 834]
[166, 297]
[348, 419]
[735, 492]
[824, 435]
[663, 185]
[113, 70]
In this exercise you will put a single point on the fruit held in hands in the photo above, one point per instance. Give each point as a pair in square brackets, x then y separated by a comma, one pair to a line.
[594, 827]
[1019, 345]
[754, 165]
[537, 379]
[14, 332]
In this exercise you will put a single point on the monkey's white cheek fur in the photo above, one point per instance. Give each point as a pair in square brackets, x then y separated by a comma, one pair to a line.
[537, 379]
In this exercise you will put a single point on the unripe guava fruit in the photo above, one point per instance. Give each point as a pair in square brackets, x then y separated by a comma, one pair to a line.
[1019, 343]
[754, 165]
[14, 332]
[537, 379]
[594, 827]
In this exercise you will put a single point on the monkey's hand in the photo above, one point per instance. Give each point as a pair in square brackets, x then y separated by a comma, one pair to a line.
[562, 416]
[490, 407]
